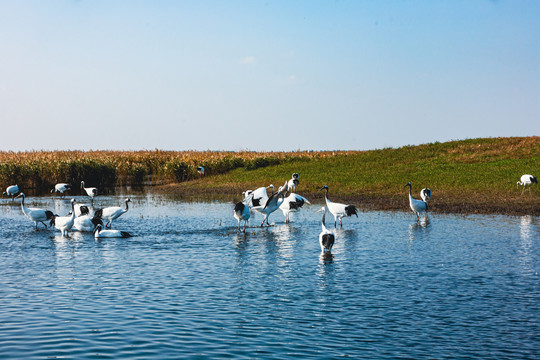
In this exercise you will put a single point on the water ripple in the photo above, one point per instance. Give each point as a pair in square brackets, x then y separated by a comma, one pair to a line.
[190, 286]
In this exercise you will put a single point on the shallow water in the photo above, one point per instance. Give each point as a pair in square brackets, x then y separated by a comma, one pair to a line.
[188, 285]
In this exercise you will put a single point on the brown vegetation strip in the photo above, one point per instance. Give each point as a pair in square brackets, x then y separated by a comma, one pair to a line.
[526, 204]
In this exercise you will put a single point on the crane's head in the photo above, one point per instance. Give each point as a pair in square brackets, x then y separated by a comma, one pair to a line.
[82, 184]
[98, 228]
[408, 184]
[325, 187]
[323, 209]
[295, 175]
[20, 195]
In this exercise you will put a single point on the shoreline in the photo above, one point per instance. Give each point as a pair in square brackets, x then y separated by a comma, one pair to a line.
[513, 206]
[518, 205]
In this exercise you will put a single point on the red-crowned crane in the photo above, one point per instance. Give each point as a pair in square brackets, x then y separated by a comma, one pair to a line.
[65, 223]
[417, 206]
[338, 210]
[326, 237]
[35, 214]
[292, 203]
[90, 191]
[527, 179]
[425, 194]
[11, 190]
[100, 233]
[112, 213]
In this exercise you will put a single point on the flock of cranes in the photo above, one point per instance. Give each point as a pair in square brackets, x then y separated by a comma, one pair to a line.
[83, 218]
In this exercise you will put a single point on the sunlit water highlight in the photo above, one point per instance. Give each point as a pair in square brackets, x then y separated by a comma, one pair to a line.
[188, 285]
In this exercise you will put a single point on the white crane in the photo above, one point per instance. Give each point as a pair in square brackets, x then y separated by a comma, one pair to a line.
[61, 188]
[527, 179]
[100, 233]
[85, 223]
[425, 194]
[272, 204]
[293, 182]
[90, 191]
[417, 206]
[292, 203]
[326, 237]
[11, 190]
[35, 214]
[242, 211]
[112, 213]
[65, 223]
[339, 210]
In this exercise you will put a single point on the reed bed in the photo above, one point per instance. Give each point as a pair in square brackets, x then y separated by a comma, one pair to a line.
[40, 170]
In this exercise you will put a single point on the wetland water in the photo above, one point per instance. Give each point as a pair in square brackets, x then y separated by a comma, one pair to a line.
[189, 286]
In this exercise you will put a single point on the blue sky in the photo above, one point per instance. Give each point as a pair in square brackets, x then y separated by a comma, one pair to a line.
[266, 75]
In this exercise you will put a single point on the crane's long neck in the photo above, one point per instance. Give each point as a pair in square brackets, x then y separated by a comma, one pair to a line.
[410, 194]
[326, 196]
[127, 207]
[23, 206]
[72, 210]
[323, 224]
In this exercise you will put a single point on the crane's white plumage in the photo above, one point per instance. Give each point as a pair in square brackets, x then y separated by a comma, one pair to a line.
[527, 179]
[112, 213]
[90, 191]
[272, 204]
[11, 190]
[100, 233]
[338, 210]
[65, 223]
[86, 223]
[61, 188]
[35, 214]
[260, 196]
[425, 194]
[292, 203]
[242, 210]
[326, 237]
[417, 206]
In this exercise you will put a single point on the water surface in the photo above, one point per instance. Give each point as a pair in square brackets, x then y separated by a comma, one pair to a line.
[188, 285]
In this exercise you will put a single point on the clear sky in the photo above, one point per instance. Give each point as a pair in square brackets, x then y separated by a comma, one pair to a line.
[266, 75]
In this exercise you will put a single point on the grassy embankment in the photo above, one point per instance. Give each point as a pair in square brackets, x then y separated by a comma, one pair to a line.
[470, 176]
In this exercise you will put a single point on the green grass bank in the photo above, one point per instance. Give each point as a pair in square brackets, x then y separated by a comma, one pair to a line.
[468, 176]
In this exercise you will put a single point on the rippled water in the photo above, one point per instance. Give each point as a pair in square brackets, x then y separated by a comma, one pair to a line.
[189, 286]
